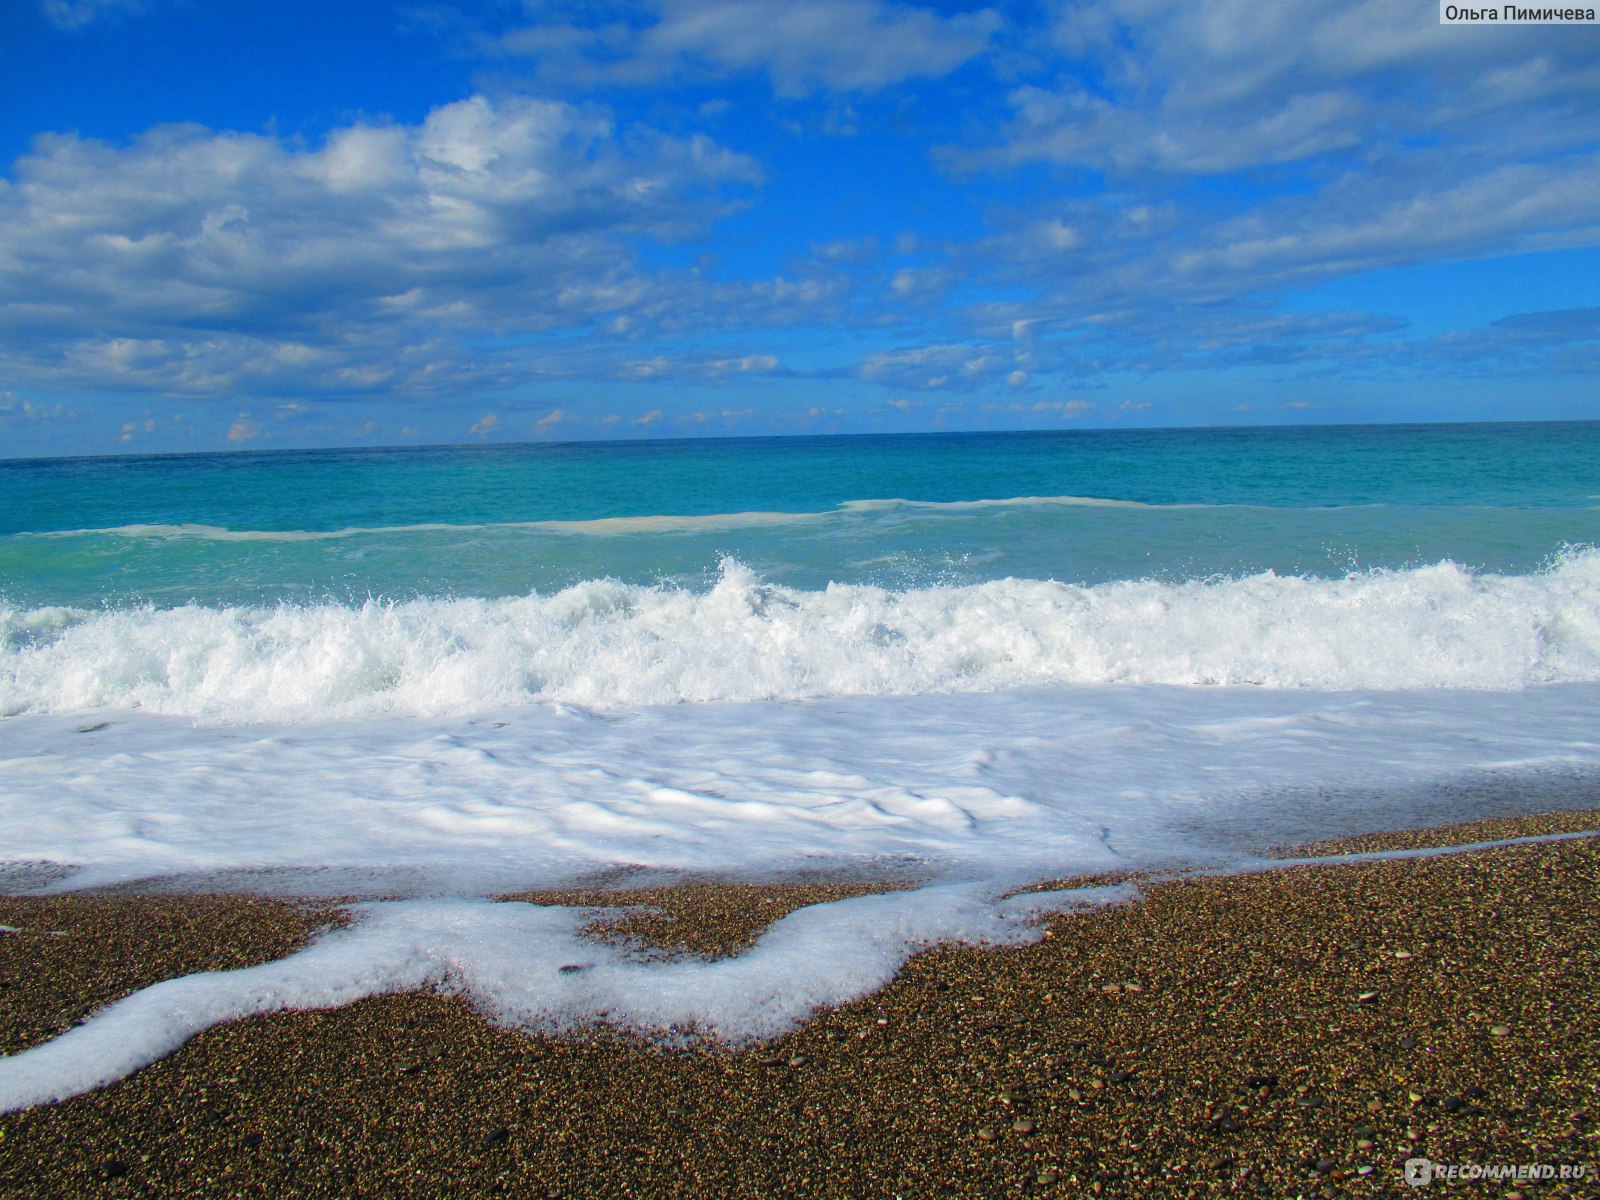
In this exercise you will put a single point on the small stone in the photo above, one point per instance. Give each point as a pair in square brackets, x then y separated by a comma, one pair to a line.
[1409, 1043]
[1374, 1105]
[112, 1168]
[1366, 997]
[434, 1050]
[1023, 1125]
[406, 1067]
[1499, 1031]
[1403, 954]
[1121, 1076]
[1074, 1094]
[799, 1060]
[1364, 1143]
[1324, 1165]
[572, 968]
[1454, 1104]
[1226, 1125]
[1364, 1170]
[987, 1134]
[252, 1141]
[1046, 1178]
[498, 1136]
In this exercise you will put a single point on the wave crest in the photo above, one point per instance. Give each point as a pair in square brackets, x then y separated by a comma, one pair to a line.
[604, 643]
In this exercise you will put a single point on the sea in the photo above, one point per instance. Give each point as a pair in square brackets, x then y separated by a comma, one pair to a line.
[433, 676]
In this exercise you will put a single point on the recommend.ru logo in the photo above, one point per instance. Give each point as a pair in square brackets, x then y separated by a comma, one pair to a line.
[1420, 1172]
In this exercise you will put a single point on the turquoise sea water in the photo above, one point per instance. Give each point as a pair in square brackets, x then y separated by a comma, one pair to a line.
[450, 674]
[343, 526]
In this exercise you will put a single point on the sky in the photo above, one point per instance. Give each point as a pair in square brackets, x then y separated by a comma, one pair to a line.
[226, 224]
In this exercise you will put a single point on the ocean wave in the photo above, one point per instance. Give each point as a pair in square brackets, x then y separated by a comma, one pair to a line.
[603, 526]
[604, 643]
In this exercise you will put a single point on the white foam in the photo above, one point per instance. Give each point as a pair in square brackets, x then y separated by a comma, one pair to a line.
[604, 643]
[1053, 779]
[528, 966]
[596, 526]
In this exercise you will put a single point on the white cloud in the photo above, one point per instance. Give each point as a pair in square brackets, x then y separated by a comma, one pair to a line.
[244, 429]
[18, 408]
[484, 425]
[204, 263]
[74, 14]
[803, 46]
[1207, 86]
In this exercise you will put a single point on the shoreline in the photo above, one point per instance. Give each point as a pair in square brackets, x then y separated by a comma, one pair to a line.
[1226, 1035]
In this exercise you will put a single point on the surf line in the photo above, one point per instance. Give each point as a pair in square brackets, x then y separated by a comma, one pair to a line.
[532, 967]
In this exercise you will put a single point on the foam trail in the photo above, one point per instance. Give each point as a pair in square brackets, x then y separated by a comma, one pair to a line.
[606, 644]
[516, 961]
[600, 526]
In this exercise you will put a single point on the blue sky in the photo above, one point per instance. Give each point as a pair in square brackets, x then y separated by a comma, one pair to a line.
[229, 224]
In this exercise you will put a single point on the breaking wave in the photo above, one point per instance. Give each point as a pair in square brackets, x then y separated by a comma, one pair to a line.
[604, 643]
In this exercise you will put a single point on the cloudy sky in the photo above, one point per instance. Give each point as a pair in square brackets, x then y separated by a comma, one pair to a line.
[235, 224]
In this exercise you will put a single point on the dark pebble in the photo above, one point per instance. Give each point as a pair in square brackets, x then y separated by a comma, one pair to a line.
[1261, 1081]
[251, 1140]
[572, 968]
[1121, 1076]
[1226, 1125]
[1323, 1165]
[1454, 1104]
[113, 1168]
[497, 1136]
[1409, 1043]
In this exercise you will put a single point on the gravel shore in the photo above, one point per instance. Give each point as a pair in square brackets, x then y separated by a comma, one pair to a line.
[1302, 1032]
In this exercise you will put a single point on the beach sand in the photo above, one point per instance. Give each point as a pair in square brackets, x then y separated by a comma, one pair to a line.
[1274, 1034]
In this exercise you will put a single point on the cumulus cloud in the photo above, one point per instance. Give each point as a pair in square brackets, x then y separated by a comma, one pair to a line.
[550, 420]
[802, 46]
[198, 262]
[484, 425]
[15, 408]
[244, 429]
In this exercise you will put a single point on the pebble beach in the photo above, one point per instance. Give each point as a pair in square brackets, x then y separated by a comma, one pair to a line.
[1298, 1032]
